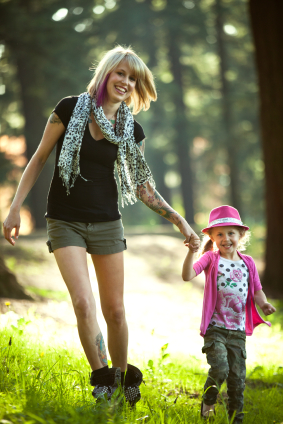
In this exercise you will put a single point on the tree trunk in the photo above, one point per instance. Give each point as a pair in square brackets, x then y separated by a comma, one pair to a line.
[34, 126]
[266, 21]
[182, 138]
[28, 49]
[230, 144]
[9, 287]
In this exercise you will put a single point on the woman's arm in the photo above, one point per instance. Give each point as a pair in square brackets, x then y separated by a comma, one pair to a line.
[152, 199]
[261, 301]
[54, 129]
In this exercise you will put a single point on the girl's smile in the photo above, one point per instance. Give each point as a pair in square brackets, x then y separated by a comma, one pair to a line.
[226, 240]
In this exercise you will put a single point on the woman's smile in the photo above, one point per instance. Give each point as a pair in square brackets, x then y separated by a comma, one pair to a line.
[120, 90]
[121, 83]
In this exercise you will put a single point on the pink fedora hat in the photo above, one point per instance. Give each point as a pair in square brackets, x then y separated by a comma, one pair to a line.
[224, 216]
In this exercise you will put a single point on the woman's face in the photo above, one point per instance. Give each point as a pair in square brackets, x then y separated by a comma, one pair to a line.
[121, 83]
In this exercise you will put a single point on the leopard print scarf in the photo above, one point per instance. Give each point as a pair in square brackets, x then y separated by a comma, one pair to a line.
[131, 165]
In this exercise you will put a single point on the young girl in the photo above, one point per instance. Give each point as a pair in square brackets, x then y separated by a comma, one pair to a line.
[232, 287]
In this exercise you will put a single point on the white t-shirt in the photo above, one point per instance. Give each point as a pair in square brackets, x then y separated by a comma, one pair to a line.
[232, 292]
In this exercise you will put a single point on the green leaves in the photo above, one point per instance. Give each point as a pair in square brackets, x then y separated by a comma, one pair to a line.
[21, 324]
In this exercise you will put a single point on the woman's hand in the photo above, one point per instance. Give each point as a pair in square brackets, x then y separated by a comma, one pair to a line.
[12, 221]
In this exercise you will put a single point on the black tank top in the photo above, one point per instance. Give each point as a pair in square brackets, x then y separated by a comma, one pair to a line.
[96, 199]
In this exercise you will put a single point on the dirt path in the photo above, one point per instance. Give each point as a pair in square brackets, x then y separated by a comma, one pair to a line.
[160, 307]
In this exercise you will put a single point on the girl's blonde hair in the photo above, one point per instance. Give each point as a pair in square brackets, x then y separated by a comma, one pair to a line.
[207, 244]
[145, 90]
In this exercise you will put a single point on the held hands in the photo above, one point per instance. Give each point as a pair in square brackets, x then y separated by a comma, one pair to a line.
[268, 309]
[191, 238]
[193, 244]
[12, 221]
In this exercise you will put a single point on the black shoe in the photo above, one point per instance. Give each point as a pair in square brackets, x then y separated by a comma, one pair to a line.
[209, 415]
[106, 381]
[132, 382]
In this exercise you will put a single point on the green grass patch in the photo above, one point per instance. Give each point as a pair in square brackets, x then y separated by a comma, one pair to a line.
[49, 294]
[49, 383]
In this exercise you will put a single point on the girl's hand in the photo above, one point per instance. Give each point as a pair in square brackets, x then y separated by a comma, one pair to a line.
[268, 309]
[194, 243]
[12, 221]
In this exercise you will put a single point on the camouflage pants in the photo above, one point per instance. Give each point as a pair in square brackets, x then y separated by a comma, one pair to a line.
[226, 354]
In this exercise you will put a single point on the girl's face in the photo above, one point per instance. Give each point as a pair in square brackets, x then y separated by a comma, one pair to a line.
[121, 83]
[226, 239]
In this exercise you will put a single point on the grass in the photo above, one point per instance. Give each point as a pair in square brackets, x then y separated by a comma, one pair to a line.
[44, 381]
[49, 294]
[47, 382]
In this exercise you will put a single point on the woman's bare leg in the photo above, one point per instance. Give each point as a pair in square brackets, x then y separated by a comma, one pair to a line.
[110, 276]
[73, 267]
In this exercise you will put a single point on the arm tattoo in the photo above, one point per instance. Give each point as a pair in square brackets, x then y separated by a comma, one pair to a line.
[142, 146]
[89, 120]
[54, 119]
[99, 342]
[156, 202]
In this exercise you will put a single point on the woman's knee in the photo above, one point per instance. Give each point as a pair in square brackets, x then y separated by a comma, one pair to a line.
[84, 307]
[115, 315]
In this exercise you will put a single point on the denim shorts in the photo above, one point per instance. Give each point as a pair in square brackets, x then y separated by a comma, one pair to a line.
[99, 238]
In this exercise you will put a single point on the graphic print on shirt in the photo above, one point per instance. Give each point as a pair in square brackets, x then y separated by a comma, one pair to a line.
[232, 292]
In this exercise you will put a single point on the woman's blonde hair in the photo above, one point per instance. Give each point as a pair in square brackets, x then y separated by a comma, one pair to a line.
[145, 90]
[207, 244]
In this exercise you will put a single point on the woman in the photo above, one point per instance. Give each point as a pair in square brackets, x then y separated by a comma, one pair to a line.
[91, 132]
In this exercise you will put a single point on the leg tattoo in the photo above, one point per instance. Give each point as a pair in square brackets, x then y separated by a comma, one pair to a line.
[99, 342]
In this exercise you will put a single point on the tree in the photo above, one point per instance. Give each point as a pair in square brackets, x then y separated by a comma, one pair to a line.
[266, 21]
[45, 72]
[182, 23]
[230, 142]
[9, 286]
[183, 136]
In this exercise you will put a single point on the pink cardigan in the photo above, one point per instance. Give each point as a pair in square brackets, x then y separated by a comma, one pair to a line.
[209, 264]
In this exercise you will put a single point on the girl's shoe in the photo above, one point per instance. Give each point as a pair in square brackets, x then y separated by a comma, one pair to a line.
[132, 382]
[234, 419]
[208, 415]
[106, 381]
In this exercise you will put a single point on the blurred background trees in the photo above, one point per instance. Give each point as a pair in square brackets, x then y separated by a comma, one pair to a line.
[203, 142]
[202, 133]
